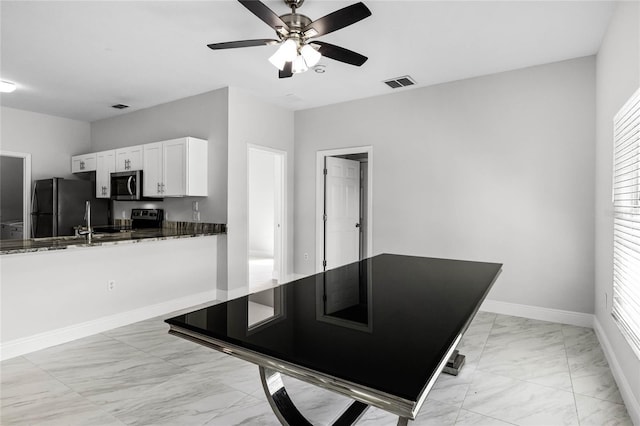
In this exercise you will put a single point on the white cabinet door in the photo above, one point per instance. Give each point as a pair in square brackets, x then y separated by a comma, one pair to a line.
[197, 161]
[175, 167]
[105, 165]
[129, 158]
[83, 163]
[152, 171]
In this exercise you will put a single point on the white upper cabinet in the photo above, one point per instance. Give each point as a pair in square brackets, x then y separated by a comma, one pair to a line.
[152, 178]
[129, 158]
[105, 165]
[83, 163]
[175, 168]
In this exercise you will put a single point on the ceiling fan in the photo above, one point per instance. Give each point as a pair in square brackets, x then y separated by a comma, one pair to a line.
[298, 51]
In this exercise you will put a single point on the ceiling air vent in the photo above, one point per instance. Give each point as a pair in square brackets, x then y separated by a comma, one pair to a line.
[119, 106]
[398, 82]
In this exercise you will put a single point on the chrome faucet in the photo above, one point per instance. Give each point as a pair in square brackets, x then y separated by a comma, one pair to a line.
[87, 217]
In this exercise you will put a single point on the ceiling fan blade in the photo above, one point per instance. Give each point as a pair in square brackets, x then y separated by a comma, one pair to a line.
[340, 53]
[242, 43]
[286, 72]
[339, 19]
[263, 12]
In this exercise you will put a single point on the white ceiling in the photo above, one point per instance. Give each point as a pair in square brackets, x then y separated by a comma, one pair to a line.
[75, 59]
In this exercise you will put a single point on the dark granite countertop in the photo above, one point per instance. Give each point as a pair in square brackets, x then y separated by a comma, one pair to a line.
[179, 230]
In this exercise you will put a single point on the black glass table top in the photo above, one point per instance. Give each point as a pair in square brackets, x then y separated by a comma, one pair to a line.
[384, 323]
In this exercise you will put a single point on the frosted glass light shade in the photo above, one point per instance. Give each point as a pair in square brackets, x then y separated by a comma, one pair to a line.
[299, 65]
[286, 53]
[311, 56]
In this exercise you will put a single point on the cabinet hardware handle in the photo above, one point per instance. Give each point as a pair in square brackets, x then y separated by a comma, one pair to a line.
[81, 165]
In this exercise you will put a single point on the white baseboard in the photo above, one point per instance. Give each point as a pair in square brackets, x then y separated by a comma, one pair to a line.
[632, 404]
[25, 345]
[536, 312]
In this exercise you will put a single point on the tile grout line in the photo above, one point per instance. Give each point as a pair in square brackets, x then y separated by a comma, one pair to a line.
[493, 321]
[573, 390]
[186, 368]
[71, 390]
[474, 373]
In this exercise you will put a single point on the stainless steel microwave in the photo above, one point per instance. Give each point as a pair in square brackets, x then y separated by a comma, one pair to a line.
[126, 185]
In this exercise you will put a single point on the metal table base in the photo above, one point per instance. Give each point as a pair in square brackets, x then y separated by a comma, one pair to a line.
[289, 415]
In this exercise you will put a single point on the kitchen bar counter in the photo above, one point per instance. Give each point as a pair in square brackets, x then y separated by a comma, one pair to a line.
[171, 231]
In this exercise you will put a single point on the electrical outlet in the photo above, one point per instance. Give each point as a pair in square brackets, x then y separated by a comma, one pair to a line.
[306, 256]
[195, 206]
[124, 214]
[111, 285]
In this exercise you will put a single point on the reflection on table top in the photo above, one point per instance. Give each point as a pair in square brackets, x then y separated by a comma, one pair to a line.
[382, 325]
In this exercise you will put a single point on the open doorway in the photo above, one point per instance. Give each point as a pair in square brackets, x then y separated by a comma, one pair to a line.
[266, 216]
[344, 207]
[15, 191]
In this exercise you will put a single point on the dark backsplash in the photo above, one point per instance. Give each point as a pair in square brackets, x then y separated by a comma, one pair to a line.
[195, 227]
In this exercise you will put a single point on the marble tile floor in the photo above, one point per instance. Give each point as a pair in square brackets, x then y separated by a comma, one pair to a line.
[518, 372]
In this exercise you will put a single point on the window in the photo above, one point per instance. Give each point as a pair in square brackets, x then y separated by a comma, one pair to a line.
[626, 222]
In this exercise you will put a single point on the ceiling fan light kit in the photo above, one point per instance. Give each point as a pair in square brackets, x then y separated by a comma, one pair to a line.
[287, 52]
[297, 52]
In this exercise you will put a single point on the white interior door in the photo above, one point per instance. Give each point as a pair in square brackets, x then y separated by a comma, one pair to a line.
[266, 216]
[342, 210]
[278, 182]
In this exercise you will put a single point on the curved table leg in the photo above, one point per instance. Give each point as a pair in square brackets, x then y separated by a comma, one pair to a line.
[289, 415]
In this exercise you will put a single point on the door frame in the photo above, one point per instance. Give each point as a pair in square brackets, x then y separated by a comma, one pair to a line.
[26, 190]
[282, 266]
[320, 156]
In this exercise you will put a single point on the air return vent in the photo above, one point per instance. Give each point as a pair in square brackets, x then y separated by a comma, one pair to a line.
[119, 106]
[398, 82]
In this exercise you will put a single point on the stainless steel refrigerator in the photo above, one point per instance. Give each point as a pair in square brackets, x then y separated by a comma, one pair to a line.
[58, 205]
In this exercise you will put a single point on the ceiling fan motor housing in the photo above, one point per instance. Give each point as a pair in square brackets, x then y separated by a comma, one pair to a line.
[296, 22]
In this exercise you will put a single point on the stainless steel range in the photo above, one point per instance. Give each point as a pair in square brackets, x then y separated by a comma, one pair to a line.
[146, 218]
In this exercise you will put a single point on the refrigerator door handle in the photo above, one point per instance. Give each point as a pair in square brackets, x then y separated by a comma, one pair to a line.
[129, 185]
[34, 209]
[34, 198]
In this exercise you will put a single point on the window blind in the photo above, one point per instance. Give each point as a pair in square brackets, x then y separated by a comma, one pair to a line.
[626, 222]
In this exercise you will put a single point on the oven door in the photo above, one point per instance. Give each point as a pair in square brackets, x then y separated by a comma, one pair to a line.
[126, 185]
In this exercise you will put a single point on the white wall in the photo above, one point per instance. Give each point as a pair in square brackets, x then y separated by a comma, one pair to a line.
[203, 116]
[253, 121]
[618, 77]
[261, 203]
[55, 296]
[496, 168]
[50, 140]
